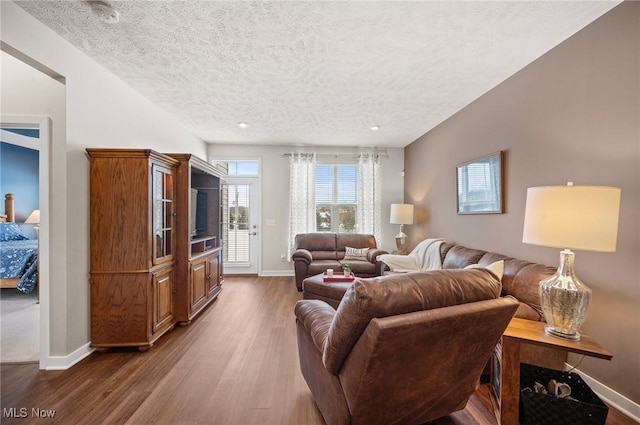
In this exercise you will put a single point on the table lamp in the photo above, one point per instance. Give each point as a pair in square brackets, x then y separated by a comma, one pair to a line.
[401, 214]
[34, 218]
[570, 217]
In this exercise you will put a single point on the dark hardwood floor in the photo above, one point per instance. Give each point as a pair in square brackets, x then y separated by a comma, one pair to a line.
[236, 364]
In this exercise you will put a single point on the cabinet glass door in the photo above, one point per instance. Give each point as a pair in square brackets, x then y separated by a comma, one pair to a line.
[162, 213]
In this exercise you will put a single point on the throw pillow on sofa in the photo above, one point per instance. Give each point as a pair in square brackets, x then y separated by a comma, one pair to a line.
[496, 268]
[355, 253]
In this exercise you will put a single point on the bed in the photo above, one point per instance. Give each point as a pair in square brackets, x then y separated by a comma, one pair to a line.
[18, 254]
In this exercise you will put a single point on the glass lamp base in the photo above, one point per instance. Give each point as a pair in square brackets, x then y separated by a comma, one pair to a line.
[564, 300]
[401, 244]
[401, 241]
[574, 337]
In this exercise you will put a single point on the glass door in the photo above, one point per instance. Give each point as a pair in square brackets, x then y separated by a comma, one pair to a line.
[162, 196]
[241, 226]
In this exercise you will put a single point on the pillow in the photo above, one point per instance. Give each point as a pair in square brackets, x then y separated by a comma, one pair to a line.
[496, 268]
[355, 253]
[11, 232]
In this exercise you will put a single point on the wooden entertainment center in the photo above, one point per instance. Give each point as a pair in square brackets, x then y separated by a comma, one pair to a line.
[203, 269]
[151, 266]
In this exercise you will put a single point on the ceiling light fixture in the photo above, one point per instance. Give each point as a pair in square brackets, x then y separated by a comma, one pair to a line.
[375, 127]
[243, 125]
[105, 12]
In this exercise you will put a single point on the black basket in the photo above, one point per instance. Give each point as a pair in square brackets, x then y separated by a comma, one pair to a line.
[545, 409]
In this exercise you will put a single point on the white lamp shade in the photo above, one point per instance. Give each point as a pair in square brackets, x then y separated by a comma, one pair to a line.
[401, 214]
[574, 217]
[34, 217]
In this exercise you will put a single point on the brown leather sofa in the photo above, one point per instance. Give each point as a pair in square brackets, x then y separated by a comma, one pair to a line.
[520, 280]
[401, 349]
[314, 253]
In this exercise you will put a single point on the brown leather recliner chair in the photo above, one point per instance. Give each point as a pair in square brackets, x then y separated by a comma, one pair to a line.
[401, 349]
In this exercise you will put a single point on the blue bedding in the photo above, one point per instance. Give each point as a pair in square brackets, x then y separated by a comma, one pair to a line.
[19, 259]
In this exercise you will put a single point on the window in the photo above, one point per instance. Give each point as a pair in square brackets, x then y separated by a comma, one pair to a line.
[336, 197]
[341, 197]
[246, 168]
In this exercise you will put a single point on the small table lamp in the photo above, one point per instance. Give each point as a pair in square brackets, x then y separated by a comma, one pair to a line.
[34, 217]
[570, 217]
[401, 214]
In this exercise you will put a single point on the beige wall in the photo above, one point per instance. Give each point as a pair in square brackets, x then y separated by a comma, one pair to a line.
[572, 115]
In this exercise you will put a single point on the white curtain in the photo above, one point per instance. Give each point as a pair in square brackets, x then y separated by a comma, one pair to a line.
[369, 195]
[302, 198]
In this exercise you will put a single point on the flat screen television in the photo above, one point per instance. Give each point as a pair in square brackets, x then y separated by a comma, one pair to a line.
[198, 219]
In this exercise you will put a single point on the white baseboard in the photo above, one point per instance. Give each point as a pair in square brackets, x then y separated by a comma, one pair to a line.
[65, 362]
[629, 407]
[275, 273]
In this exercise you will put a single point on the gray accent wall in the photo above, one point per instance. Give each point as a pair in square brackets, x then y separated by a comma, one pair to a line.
[572, 115]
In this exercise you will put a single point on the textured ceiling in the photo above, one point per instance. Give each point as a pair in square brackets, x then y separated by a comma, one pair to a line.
[316, 73]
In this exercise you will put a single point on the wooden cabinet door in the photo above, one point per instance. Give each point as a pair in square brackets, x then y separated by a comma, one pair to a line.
[213, 274]
[197, 284]
[162, 283]
[220, 267]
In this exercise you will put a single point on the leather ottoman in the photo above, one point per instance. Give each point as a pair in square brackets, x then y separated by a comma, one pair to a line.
[315, 288]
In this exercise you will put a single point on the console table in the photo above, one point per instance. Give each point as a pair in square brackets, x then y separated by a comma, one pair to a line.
[505, 393]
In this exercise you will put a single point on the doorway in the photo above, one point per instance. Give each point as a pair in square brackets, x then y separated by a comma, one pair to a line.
[39, 129]
[31, 93]
[241, 227]
[241, 236]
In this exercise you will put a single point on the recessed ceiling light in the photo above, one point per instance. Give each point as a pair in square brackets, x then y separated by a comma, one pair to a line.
[243, 125]
[375, 127]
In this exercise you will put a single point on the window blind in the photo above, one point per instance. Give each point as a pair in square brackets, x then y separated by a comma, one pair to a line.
[238, 239]
[336, 197]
